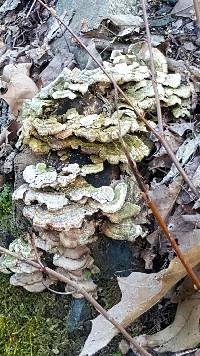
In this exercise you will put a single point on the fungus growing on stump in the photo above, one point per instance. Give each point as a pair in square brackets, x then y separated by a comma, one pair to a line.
[81, 188]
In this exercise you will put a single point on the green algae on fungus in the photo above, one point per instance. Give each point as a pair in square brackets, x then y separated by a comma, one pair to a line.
[44, 129]
[38, 146]
[125, 230]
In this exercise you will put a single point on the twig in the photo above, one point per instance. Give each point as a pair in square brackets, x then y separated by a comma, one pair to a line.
[55, 291]
[81, 290]
[31, 8]
[153, 71]
[134, 106]
[32, 240]
[151, 204]
[197, 12]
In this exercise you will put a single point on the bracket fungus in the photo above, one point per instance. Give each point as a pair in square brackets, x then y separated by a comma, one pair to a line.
[73, 123]
[67, 218]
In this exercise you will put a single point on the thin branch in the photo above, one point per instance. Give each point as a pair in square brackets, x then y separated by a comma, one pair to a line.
[153, 71]
[134, 106]
[81, 290]
[55, 291]
[151, 204]
[31, 8]
[133, 165]
[197, 12]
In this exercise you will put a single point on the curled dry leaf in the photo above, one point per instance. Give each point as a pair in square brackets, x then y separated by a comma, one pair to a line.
[182, 334]
[20, 86]
[140, 291]
[185, 151]
[165, 197]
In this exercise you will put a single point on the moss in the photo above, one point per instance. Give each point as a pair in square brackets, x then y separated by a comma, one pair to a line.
[33, 324]
[6, 219]
[109, 293]
[5, 201]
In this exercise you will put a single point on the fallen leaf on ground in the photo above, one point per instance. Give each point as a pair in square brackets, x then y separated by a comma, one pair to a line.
[165, 197]
[140, 291]
[4, 136]
[191, 168]
[180, 128]
[182, 334]
[173, 140]
[9, 5]
[185, 151]
[20, 86]
[161, 158]
[183, 8]
[56, 65]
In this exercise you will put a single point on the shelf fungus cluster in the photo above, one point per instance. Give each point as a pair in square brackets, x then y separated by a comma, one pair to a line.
[24, 275]
[67, 214]
[78, 109]
[80, 190]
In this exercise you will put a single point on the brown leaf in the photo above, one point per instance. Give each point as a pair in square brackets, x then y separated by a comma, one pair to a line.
[56, 65]
[161, 159]
[181, 127]
[173, 140]
[192, 170]
[20, 86]
[4, 136]
[182, 334]
[165, 197]
[140, 292]
[183, 8]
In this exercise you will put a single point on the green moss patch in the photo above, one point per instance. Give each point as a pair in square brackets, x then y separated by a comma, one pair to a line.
[33, 324]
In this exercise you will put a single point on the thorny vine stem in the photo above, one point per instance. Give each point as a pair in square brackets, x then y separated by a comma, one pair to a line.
[133, 105]
[81, 290]
[153, 72]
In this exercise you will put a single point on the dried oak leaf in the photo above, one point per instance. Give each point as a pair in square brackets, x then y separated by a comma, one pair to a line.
[20, 86]
[140, 291]
[165, 197]
[184, 331]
